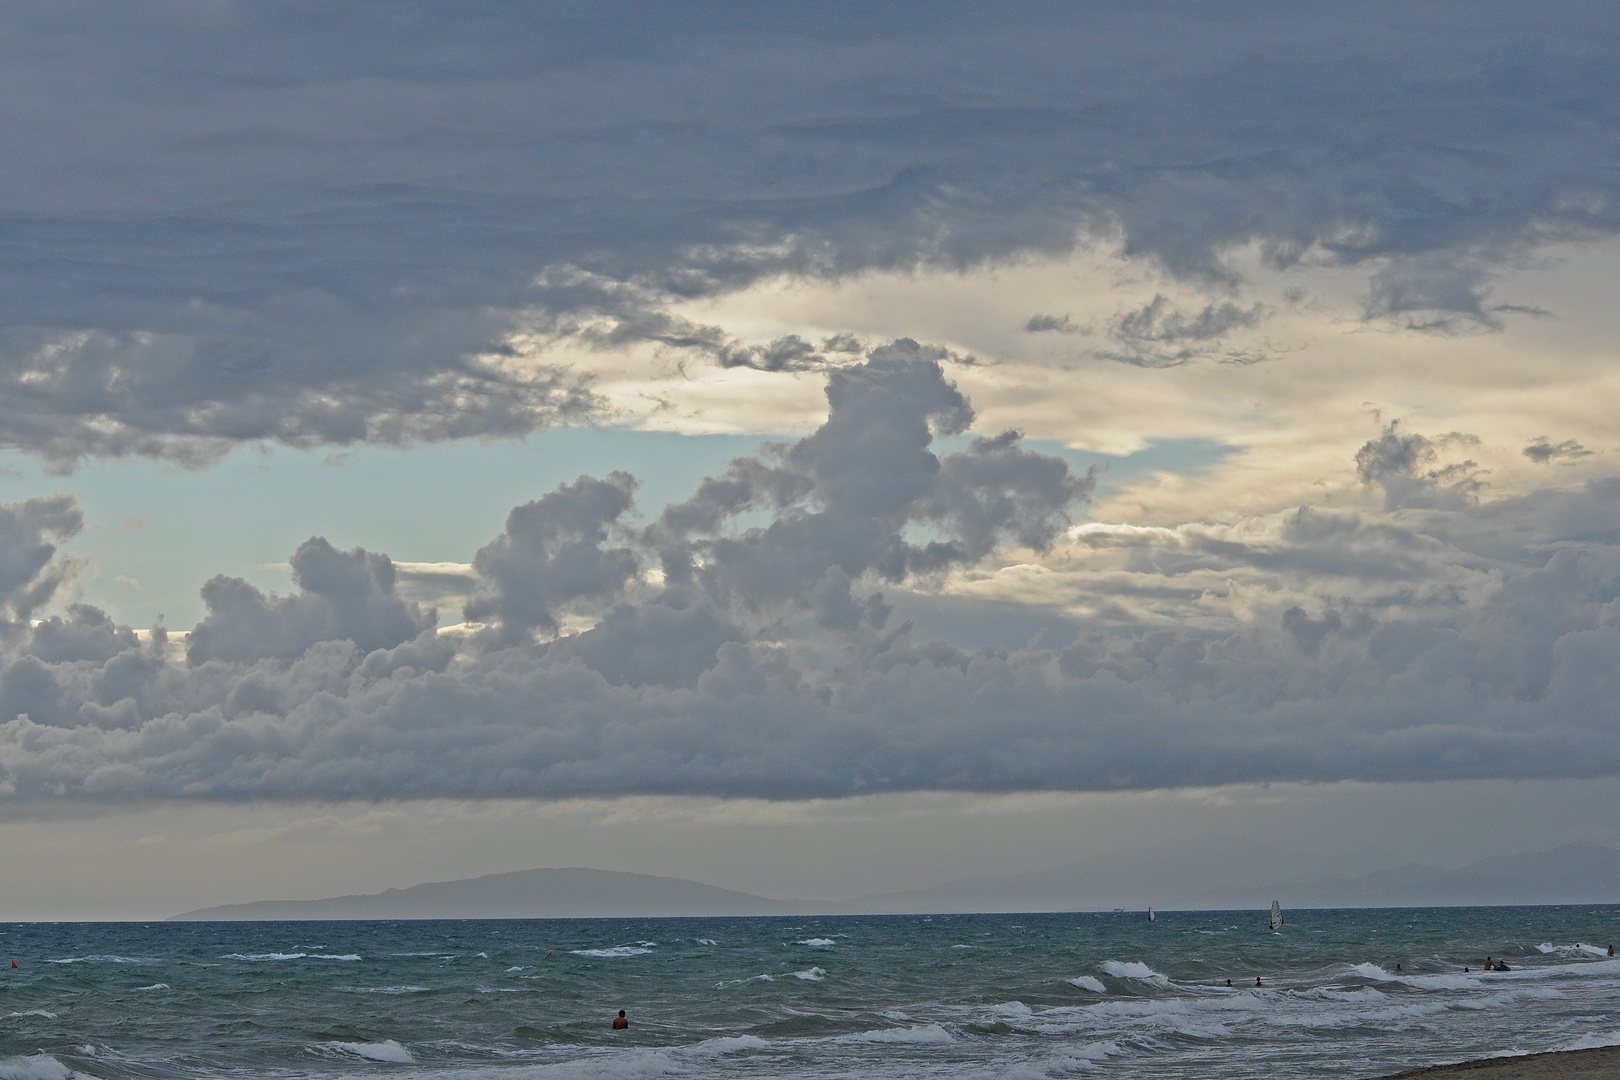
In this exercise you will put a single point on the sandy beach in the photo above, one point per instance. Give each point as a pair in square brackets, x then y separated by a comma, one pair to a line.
[1603, 1062]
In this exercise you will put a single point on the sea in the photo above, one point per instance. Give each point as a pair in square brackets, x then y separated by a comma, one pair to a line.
[1207, 994]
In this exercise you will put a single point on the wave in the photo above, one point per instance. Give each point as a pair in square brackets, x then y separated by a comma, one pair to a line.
[383, 989]
[35, 1012]
[814, 974]
[387, 1050]
[927, 1035]
[1086, 982]
[1130, 969]
[1475, 979]
[271, 957]
[1591, 1041]
[1547, 948]
[38, 1067]
[98, 959]
[817, 942]
[615, 953]
[739, 982]
[154, 986]
[728, 1044]
[706, 941]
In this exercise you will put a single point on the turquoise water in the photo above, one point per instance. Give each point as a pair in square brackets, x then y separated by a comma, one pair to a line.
[896, 996]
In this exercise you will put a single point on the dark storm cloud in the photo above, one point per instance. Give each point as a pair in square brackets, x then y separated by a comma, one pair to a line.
[1439, 636]
[316, 223]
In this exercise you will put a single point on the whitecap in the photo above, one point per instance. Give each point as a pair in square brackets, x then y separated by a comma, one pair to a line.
[35, 1067]
[1130, 969]
[260, 958]
[31, 1012]
[817, 942]
[1592, 1041]
[706, 941]
[154, 986]
[512, 969]
[387, 1050]
[99, 959]
[814, 974]
[1577, 949]
[1086, 982]
[615, 953]
[928, 1035]
[382, 989]
[729, 1044]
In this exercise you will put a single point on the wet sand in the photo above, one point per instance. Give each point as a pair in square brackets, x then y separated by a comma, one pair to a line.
[1602, 1063]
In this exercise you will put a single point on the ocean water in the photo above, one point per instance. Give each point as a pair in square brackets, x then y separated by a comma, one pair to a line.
[1343, 994]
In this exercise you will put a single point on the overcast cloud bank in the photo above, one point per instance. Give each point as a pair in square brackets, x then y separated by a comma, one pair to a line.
[745, 641]
[312, 225]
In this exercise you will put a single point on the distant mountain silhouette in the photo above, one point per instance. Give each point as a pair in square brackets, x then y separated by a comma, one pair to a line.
[572, 892]
[1572, 874]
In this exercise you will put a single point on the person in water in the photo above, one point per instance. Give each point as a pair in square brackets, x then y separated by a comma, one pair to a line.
[1611, 950]
[1257, 980]
[620, 1022]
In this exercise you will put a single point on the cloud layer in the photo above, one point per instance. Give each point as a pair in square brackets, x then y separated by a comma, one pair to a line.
[316, 225]
[752, 640]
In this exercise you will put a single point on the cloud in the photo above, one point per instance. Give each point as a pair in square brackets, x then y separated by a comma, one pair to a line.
[1159, 334]
[1050, 324]
[232, 223]
[755, 639]
[343, 596]
[552, 552]
[1542, 451]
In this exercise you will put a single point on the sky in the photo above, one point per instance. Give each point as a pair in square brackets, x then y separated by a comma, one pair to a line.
[815, 451]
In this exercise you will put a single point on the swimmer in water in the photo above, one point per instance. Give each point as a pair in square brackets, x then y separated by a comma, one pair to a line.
[1257, 980]
[620, 1022]
[1228, 982]
[1611, 950]
[1397, 967]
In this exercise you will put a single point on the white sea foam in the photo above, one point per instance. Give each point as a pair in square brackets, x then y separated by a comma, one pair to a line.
[1577, 949]
[817, 942]
[387, 1050]
[729, 1044]
[1086, 982]
[33, 1012]
[927, 1035]
[382, 989]
[707, 941]
[814, 974]
[97, 959]
[154, 986]
[1133, 970]
[36, 1067]
[512, 969]
[1592, 1041]
[259, 958]
[615, 953]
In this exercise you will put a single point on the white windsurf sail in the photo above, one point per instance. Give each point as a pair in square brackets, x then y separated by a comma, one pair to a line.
[1276, 915]
[1150, 914]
